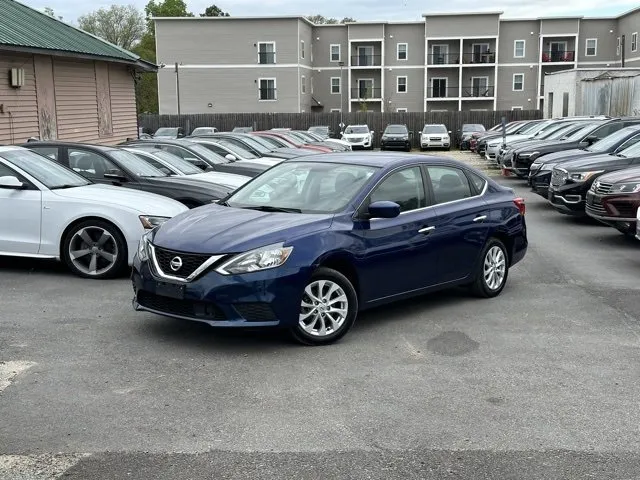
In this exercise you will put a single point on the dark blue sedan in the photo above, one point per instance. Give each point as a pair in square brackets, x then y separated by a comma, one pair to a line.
[308, 244]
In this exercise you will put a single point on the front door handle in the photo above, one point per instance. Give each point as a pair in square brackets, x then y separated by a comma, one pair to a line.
[426, 230]
[480, 218]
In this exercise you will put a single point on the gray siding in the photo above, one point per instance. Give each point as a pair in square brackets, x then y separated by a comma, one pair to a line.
[559, 26]
[227, 41]
[322, 90]
[413, 99]
[201, 86]
[306, 35]
[447, 106]
[507, 98]
[413, 36]
[606, 45]
[323, 38]
[468, 105]
[626, 26]
[366, 31]
[511, 31]
[453, 26]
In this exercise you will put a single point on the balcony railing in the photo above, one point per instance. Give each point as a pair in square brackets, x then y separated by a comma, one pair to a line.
[365, 93]
[266, 57]
[443, 92]
[474, 91]
[478, 57]
[267, 94]
[443, 59]
[366, 60]
[558, 56]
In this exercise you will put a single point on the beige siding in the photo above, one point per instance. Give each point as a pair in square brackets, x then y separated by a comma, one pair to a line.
[46, 97]
[76, 100]
[105, 128]
[123, 104]
[20, 118]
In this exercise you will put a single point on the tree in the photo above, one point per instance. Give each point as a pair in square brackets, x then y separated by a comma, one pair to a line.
[166, 8]
[348, 20]
[49, 11]
[120, 25]
[321, 20]
[214, 11]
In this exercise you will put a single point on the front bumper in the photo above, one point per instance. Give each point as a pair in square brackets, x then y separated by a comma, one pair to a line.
[618, 211]
[428, 143]
[539, 182]
[366, 143]
[400, 144]
[568, 199]
[270, 298]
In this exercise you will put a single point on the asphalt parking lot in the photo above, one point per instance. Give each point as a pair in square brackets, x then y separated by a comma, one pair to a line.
[540, 382]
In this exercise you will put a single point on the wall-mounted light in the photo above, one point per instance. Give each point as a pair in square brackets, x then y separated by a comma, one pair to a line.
[532, 33]
[210, 105]
[528, 99]
[390, 36]
[317, 38]
[610, 31]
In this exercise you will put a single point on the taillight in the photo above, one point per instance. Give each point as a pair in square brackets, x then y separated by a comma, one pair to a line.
[520, 204]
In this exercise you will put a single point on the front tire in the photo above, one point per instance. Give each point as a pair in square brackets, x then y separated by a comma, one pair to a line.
[492, 270]
[94, 249]
[328, 308]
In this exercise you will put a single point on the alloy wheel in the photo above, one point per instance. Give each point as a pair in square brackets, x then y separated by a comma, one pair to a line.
[495, 267]
[93, 250]
[324, 308]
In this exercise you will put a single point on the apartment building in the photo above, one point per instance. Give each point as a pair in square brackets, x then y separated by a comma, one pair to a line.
[461, 61]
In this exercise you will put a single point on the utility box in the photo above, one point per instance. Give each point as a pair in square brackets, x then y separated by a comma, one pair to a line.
[16, 77]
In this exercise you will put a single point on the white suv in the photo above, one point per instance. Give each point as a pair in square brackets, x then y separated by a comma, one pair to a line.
[435, 135]
[358, 136]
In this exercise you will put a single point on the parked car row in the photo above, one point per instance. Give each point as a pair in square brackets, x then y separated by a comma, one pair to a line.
[584, 166]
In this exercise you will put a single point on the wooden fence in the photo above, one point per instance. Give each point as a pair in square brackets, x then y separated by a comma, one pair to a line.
[301, 121]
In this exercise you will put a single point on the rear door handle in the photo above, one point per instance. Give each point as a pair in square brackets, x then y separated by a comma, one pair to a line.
[426, 230]
[480, 218]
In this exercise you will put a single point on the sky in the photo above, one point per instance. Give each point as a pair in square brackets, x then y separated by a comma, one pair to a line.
[364, 10]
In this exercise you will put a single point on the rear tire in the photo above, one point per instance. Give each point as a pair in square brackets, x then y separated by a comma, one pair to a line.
[328, 309]
[492, 270]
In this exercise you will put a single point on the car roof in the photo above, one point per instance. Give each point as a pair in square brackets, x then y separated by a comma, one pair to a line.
[55, 143]
[378, 159]
[169, 141]
[8, 148]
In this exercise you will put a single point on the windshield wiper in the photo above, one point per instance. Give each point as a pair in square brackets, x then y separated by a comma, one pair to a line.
[60, 187]
[269, 208]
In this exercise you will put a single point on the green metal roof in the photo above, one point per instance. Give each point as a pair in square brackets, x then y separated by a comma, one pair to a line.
[25, 28]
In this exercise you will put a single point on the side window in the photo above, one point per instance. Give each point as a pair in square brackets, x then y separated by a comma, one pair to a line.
[606, 130]
[629, 143]
[449, 184]
[154, 162]
[405, 188]
[50, 152]
[477, 181]
[89, 164]
[177, 151]
[219, 150]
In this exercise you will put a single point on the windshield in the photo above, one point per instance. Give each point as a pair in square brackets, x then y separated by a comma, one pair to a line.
[396, 130]
[302, 137]
[242, 153]
[136, 165]
[611, 141]
[321, 130]
[523, 130]
[166, 132]
[580, 133]
[51, 174]
[292, 139]
[632, 151]
[178, 163]
[356, 130]
[555, 131]
[203, 131]
[209, 155]
[473, 128]
[304, 187]
[434, 129]
[539, 128]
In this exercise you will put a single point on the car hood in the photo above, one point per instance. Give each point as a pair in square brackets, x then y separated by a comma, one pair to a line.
[626, 175]
[355, 135]
[597, 162]
[566, 155]
[216, 229]
[186, 182]
[134, 200]
[221, 178]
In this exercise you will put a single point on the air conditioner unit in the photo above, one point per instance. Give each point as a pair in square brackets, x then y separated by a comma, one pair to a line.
[17, 77]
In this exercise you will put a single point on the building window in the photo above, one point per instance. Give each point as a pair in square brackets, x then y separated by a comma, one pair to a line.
[401, 110]
[267, 89]
[311, 80]
[335, 53]
[634, 42]
[518, 82]
[618, 47]
[335, 85]
[402, 51]
[591, 47]
[518, 48]
[266, 52]
[402, 85]
[516, 108]
[301, 48]
[303, 84]
[335, 110]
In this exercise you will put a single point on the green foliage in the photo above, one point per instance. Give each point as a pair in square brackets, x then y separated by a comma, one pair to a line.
[49, 11]
[321, 20]
[166, 8]
[214, 11]
[119, 24]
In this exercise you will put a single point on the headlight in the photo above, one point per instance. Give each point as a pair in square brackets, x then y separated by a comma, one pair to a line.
[583, 176]
[547, 166]
[494, 145]
[143, 247]
[626, 188]
[529, 154]
[262, 258]
[149, 221]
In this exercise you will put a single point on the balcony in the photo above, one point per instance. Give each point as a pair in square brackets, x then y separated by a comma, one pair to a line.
[366, 60]
[437, 92]
[478, 91]
[558, 56]
[366, 94]
[478, 58]
[443, 59]
[266, 58]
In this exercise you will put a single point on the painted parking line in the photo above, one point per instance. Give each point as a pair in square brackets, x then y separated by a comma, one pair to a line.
[37, 467]
[10, 370]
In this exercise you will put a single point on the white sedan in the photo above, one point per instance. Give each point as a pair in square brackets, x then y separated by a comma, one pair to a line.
[49, 211]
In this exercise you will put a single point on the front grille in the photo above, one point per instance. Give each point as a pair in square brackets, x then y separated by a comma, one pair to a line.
[255, 312]
[558, 177]
[594, 206]
[190, 261]
[435, 139]
[602, 188]
[183, 308]
[356, 140]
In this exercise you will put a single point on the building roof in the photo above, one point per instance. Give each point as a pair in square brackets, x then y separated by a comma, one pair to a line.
[25, 29]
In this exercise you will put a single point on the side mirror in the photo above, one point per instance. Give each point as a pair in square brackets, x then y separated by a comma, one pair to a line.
[384, 209]
[11, 183]
[230, 157]
[591, 139]
[116, 175]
